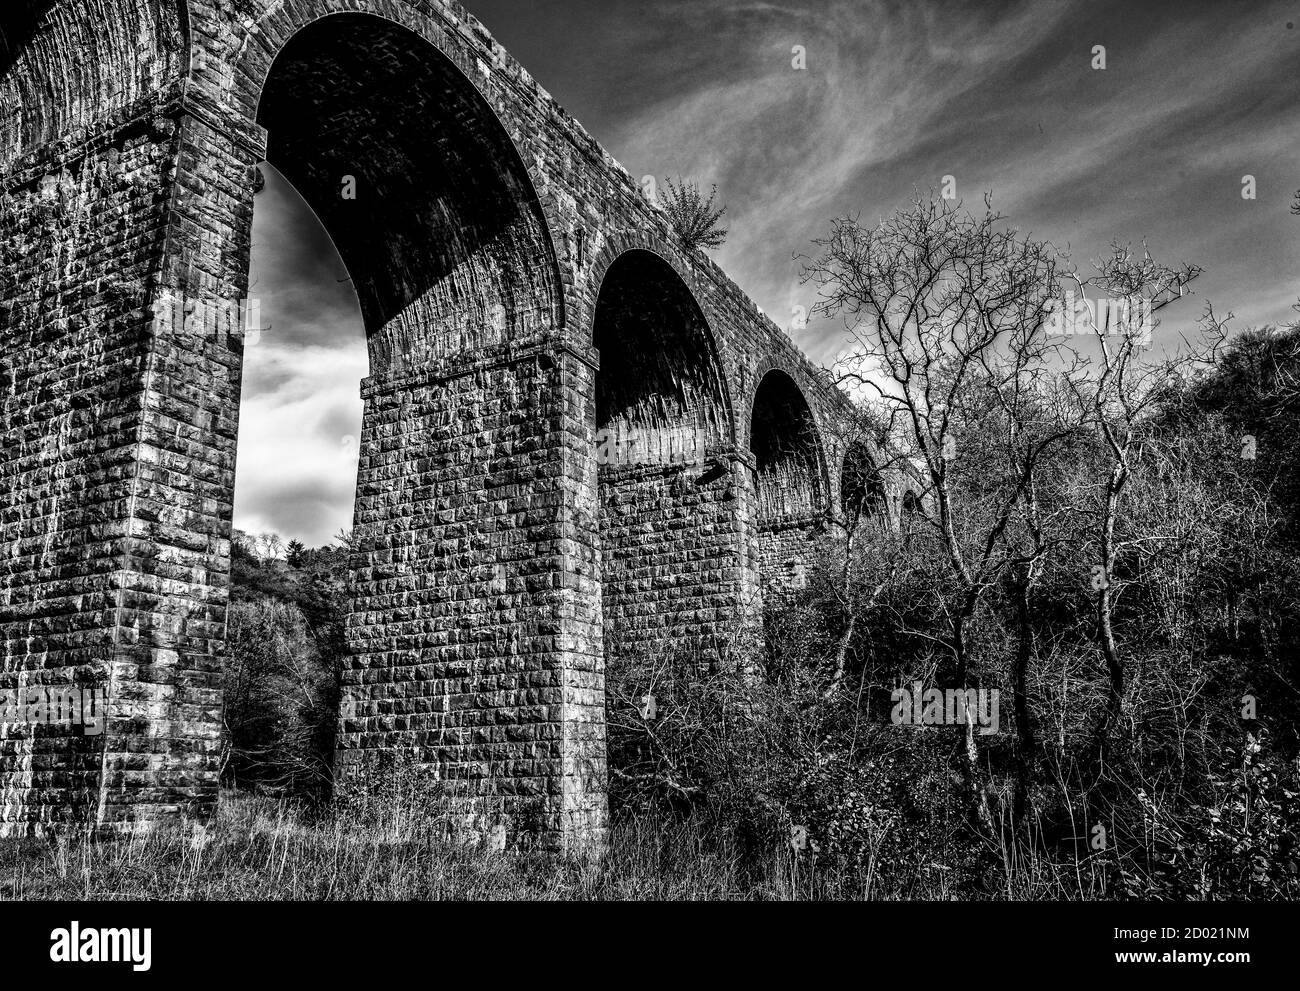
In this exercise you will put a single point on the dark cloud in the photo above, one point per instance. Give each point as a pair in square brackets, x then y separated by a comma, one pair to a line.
[306, 295]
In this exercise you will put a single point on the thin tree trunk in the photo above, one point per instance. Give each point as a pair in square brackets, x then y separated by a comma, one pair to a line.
[841, 654]
[1026, 743]
[976, 794]
[1105, 629]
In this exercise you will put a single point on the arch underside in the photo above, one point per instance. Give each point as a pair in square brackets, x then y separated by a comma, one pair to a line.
[64, 72]
[788, 480]
[445, 240]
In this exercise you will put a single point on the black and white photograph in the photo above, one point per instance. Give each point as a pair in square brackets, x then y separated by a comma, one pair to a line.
[704, 451]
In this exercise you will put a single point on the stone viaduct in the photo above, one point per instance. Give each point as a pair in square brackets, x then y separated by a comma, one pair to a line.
[520, 294]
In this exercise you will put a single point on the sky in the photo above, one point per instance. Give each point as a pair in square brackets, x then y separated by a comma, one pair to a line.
[894, 97]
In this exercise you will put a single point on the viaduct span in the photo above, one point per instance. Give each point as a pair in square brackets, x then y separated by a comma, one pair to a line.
[520, 295]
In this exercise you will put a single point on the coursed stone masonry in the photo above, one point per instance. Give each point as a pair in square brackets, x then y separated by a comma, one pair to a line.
[519, 295]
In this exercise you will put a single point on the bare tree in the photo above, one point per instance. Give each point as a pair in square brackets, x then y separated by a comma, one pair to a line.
[944, 308]
[271, 545]
[1115, 395]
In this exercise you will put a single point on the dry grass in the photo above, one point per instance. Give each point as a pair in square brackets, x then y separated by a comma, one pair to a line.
[257, 849]
[262, 850]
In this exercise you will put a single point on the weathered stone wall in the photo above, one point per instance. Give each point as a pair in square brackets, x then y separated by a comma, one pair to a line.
[71, 367]
[90, 224]
[672, 567]
[495, 565]
[164, 731]
[784, 549]
[476, 629]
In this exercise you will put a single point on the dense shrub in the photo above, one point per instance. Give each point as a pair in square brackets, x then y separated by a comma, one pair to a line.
[284, 649]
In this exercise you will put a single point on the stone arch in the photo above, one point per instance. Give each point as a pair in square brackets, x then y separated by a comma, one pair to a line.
[465, 474]
[446, 240]
[862, 489]
[232, 80]
[621, 243]
[911, 512]
[664, 433]
[788, 482]
[643, 297]
[797, 373]
[789, 458]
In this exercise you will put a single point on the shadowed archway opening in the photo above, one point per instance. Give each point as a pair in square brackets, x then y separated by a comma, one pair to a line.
[417, 183]
[788, 479]
[862, 491]
[662, 423]
[659, 369]
[787, 451]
